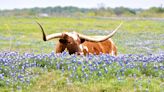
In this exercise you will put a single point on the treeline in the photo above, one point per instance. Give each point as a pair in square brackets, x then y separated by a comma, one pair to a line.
[74, 11]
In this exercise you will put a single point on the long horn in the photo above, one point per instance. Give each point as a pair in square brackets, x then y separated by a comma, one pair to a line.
[49, 37]
[102, 39]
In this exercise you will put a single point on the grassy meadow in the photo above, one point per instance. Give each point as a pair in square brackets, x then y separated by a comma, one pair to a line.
[139, 35]
[28, 64]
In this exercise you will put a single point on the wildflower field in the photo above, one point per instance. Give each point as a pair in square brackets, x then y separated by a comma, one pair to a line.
[27, 64]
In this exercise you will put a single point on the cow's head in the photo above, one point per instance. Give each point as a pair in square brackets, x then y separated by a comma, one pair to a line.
[72, 40]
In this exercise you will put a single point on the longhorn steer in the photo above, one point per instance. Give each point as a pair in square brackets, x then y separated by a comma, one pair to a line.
[81, 44]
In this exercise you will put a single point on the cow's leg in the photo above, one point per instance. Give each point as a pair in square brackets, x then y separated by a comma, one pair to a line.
[60, 47]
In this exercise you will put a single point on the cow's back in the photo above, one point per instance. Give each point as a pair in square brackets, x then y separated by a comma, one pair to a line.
[106, 46]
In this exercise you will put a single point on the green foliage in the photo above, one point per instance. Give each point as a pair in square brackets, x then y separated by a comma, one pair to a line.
[124, 11]
[74, 11]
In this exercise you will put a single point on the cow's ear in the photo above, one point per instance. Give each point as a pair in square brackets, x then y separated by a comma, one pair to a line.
[63, 41]
[82, 40]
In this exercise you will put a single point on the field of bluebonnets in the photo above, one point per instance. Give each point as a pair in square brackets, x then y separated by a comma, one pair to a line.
[30, 65]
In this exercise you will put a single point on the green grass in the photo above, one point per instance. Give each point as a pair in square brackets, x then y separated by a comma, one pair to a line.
[25, 33]
[52, 82]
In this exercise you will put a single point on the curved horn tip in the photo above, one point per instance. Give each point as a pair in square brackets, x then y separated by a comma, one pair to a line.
[44, 35]
[44, 39]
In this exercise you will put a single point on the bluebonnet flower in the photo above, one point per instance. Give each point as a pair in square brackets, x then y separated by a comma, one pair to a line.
[79, 62]
[106, 70]
[99, 73]
[74, 61]
[74, 68]
[69, 67]
[63, 69]
[2, 76]
[86, 75]
[58, 65]
[17, 67]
